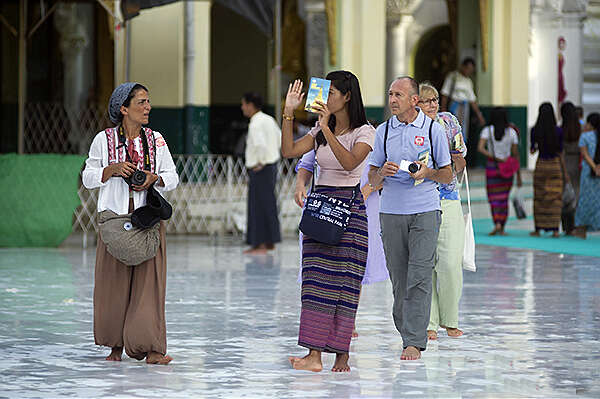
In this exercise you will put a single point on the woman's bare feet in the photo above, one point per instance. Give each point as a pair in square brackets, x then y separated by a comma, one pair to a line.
[115, 354]
[341, 363]
[158, 358]
[310, 362]
[454, 332]
[410, 353]
[432, 335]
[354, 333]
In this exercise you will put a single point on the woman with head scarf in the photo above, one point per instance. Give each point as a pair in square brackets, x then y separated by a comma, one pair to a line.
[129, 301]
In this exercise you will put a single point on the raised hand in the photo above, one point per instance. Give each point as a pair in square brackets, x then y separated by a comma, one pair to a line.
[294, 96]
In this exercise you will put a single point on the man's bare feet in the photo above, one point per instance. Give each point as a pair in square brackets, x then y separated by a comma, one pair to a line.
[115, 354]
[410, 353]
[354, 333]
[157, 358]
[454, 332]
[432, 335]
[555, 234]
[310, 362]
[260, 250]
[341, 363]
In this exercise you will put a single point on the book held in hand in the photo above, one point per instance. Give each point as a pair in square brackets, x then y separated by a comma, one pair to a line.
[318, 90]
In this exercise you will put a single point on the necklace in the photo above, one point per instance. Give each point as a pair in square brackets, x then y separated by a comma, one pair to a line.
[343, 131]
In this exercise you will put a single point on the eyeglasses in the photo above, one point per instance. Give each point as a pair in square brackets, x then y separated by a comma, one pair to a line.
[431, 101]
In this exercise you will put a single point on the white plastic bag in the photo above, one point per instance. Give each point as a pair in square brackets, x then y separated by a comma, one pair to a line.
[469, 251]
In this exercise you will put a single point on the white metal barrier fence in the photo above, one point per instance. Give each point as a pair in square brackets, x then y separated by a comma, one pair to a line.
[211, 197]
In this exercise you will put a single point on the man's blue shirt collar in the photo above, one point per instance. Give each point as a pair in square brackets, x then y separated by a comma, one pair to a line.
[419, 121]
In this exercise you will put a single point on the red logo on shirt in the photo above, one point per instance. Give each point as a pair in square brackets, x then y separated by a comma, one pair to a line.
[419, 140]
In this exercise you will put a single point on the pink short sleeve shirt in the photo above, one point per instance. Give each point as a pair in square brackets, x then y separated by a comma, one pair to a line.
[331, 172]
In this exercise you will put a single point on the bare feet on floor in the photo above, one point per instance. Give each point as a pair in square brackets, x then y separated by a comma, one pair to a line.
[454, 332]
[341, 363]
[410, 353]
[555, 234]
[535, 233]
[310, 362]
[432, 335]
[115, 354]
[354, 333]
[158, 358]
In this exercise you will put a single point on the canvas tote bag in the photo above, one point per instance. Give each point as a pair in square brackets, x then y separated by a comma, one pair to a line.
[469, 251]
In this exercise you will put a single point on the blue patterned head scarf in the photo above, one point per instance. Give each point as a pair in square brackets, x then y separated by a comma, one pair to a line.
[118, 97]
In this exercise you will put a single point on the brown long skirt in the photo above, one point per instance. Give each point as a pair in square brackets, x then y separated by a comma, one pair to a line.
[129, 302]
[547, 194]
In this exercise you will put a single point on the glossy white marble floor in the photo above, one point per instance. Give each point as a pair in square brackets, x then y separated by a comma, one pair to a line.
[531, 322]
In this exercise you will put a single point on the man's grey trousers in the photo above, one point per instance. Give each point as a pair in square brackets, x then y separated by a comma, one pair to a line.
[409, 242]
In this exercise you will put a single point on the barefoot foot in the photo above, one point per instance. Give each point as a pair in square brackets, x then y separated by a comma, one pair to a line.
[535, 233]
[454, 332]
[341, 363]
[432, 335]
[115, 354]
[410, 353]
[157, 358]
[310, 362]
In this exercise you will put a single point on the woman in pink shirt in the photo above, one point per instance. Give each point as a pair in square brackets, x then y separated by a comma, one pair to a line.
[332, 274]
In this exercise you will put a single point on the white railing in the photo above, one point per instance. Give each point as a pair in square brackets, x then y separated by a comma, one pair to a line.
[211, 197]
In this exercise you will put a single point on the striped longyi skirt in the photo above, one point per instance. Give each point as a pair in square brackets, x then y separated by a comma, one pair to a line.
[331, 280]
[497, 188]
[547, 194]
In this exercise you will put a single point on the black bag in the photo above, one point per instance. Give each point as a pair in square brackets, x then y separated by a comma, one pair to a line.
[324, 218]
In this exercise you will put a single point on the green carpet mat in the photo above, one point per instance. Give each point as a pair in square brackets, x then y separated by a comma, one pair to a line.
[518, 237]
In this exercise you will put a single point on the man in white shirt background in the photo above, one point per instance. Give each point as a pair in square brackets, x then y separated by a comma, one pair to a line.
[458, 95]
[262, 153]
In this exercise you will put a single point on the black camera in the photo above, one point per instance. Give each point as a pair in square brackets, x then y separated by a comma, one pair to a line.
[137, 178]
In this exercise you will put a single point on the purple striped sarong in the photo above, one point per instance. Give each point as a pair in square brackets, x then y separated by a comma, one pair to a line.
[498, 189]
[331, 281]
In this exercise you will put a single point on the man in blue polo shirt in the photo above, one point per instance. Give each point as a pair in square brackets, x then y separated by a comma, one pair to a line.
[410, 211]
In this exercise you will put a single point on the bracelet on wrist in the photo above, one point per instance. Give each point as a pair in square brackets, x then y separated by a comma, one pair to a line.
[288, 117]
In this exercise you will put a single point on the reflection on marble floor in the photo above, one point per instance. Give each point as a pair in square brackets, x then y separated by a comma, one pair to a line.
[531, 322]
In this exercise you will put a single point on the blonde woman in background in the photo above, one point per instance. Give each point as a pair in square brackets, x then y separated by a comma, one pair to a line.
[447, 273]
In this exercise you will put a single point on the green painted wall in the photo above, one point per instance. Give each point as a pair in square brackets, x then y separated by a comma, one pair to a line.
[375, 114]
[469, 44]
[187, 129]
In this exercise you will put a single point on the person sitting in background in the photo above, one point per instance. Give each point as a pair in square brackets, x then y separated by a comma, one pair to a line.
[549, 174]
[497, 142]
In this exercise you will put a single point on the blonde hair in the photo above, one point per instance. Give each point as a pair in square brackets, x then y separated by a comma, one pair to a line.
[427, 87]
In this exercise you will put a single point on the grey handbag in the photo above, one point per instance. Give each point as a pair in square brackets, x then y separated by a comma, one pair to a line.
[128, 244]
[569, 200]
